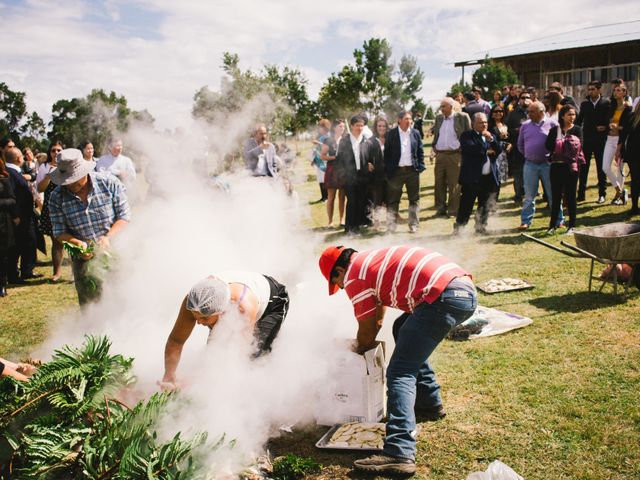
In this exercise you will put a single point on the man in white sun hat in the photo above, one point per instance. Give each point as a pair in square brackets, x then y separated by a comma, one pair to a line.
[87, 208]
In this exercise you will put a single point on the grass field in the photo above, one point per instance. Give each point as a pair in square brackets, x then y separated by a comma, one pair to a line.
[559, 399]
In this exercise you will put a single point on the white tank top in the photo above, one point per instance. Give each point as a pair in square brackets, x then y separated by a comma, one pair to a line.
[255, 282]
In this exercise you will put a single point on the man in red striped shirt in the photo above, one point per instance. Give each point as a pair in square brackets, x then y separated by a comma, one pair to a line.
[435, 295]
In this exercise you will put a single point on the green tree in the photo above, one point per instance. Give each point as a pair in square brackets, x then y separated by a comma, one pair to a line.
[493, 76]
[95, 117]
[430, 115]
[34, 133]
[406, 86]
[290, 84]
[26, 129]
[281, 94]
[419, 106]
[372, 84]
[340, 95]
[13, 110]
[458, 88]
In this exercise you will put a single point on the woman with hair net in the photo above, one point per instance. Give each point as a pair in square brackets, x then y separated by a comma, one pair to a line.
[259, 299]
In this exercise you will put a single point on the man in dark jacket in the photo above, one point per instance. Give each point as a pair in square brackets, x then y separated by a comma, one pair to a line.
[564, 99]
[514, 120]
[478, 173]
[25, 233]
[404, 160]
[351, 160]
[594, 120]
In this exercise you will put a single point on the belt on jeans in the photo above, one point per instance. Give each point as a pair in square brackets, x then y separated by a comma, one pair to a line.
[406, 168]
[448, 151]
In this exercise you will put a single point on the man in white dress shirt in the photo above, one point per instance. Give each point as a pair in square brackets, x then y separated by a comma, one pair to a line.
[446, 144]
[119, 165]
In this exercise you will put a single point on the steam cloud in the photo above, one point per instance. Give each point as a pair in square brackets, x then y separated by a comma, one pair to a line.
[183, 231]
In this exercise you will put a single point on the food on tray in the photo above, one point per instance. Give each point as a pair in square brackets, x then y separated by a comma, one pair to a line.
[503, 284]
[358, 435]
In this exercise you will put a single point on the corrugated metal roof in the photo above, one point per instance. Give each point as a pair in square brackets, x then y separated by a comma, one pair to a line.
[584, 37]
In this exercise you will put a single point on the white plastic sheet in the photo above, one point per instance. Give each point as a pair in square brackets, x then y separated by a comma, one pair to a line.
[496, 471]
[497, 321]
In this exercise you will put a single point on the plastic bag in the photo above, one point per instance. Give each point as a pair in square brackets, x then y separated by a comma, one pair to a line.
[491, 322]
[496, 471]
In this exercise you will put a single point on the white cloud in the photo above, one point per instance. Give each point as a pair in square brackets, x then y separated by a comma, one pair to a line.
[159, 63]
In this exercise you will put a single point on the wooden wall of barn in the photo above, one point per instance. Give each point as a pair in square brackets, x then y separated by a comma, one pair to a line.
[580, 65]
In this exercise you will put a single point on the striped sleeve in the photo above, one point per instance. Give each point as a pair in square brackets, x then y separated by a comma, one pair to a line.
[363, 299]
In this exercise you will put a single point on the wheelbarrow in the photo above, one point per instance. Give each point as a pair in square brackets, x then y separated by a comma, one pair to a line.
[612, 244]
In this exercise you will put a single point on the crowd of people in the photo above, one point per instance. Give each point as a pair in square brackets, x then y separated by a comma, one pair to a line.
[478, 145]
[65, 194]
[83, 203]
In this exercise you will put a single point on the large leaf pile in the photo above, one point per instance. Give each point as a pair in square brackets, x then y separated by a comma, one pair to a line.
[66, 423]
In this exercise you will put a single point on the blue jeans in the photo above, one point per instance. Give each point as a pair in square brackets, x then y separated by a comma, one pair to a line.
[409, 371]
[533, 173]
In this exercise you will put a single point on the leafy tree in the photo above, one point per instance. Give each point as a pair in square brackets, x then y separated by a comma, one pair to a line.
[340, 95]
[279, 96]
[290, 84]
[235, 91]
[13, 110]
[458, 88]
[373, 64]
[95, 117]
[26, 129]
[493, 76]
[406, 86]
[372, 84]
[34, 133]
[430, 115]
[419, 106]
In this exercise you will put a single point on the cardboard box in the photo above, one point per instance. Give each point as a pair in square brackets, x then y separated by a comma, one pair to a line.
[356, 390]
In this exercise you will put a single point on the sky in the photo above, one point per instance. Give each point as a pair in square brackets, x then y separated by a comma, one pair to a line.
[158, 53]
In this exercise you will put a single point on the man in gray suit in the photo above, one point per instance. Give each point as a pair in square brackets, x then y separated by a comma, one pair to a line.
[446, 144]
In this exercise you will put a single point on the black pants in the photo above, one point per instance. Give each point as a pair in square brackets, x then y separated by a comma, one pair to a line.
[484, 190]
[378, 192]
[563, 186]
[597, 150]
[356, 211]
[634, 170]
[409, 178]
[268, 325]
[323, 192]
[24, 250]
[4, 267]
[516, 169]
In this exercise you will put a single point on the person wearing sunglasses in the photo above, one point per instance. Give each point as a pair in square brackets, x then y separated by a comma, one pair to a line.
[44, 184]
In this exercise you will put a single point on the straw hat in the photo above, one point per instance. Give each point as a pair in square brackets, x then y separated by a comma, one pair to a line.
[71, 167]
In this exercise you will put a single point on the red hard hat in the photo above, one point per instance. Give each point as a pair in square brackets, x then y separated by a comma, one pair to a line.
[327, 261]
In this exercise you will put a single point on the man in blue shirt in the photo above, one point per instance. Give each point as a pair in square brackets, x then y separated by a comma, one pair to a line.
[88, 208]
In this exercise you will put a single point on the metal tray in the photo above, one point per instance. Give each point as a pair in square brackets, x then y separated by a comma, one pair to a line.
[324, 441]
[483, 288]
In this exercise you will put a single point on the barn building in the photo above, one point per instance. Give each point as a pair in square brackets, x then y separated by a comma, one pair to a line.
[575, 58]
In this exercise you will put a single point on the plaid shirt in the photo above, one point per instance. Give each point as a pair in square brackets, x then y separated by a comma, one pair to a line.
[106, 203]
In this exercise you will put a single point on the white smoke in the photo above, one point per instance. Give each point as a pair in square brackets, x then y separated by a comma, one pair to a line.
[182, 230]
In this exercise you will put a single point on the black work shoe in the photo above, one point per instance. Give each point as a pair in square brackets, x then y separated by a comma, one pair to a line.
[430, 414]
[31, 276]
[382, 463]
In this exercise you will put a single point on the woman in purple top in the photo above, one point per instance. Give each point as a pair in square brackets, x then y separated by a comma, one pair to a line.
[565, 144]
